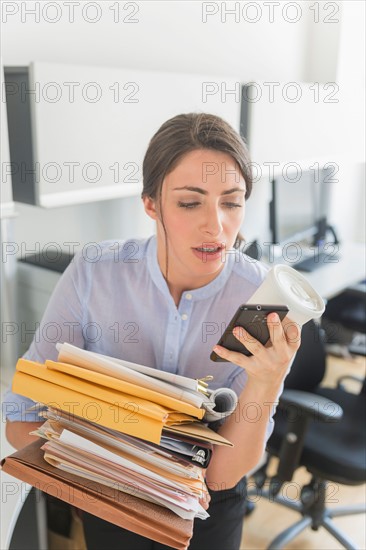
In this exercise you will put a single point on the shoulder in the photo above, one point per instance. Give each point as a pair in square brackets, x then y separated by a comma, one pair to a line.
[98, 261]
[114, 251]
[99, 256]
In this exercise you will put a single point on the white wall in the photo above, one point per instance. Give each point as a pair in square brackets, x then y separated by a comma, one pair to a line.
[348, 209]
[167, 36]
[323, 37]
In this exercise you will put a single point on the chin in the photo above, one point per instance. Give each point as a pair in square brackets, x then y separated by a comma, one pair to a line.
[209, 268]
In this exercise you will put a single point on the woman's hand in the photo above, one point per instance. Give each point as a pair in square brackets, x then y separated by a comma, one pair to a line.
[205, 500]
[266, 370]
[268, 364]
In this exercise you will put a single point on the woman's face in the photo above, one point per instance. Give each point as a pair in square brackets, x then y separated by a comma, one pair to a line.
[203, 203]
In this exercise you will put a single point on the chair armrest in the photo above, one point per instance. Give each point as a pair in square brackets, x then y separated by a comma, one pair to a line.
[301, 407]
[311, 405]
[351, 377]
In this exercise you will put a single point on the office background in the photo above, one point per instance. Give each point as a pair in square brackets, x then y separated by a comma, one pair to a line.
[300, 45]
[319, 46]
[171, 36]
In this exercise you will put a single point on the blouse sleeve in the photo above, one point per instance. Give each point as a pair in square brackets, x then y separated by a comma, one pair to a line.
[62, 321]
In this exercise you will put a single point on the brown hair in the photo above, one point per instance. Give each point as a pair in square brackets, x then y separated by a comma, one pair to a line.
[181, 135]
[185, 133]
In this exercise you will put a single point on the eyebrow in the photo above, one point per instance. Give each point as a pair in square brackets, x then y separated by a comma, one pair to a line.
[204, 192]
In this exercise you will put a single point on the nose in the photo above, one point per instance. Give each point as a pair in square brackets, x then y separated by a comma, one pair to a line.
[211, 224]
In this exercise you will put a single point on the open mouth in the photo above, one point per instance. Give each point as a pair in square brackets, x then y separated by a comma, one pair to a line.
[210, 249]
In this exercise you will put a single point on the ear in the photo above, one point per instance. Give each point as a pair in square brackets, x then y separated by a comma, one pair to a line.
[150, 207]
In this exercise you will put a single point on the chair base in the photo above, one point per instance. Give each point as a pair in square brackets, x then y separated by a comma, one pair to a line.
[315, 514]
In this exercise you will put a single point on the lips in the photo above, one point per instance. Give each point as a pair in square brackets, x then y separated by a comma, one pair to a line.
[209, 248]
[209, 252]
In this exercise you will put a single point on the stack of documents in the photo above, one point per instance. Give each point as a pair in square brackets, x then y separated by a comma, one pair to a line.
[130, 465]
[127, 511]
[134, 399]
[127, 427]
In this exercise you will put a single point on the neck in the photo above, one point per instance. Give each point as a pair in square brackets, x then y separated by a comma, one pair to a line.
[176, 294]
[178, 280]
[178, 283]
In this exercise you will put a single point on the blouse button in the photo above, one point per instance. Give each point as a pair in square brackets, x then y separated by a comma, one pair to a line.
[184, 316]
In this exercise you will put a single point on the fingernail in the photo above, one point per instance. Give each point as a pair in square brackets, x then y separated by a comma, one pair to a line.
[219, 350]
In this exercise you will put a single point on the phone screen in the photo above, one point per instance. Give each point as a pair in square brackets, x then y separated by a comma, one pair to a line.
[254, 319]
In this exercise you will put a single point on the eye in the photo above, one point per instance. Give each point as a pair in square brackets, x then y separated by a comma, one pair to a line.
[188, 204]
[232, 205]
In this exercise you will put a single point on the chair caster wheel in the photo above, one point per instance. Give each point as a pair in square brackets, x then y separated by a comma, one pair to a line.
[249, 508]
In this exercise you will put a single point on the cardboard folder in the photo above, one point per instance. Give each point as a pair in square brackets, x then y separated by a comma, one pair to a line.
[108, 407]
[127, 387]
[139, 516]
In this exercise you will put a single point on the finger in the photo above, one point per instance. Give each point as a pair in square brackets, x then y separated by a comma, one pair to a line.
[204, 502]
[292, 332]
[275, 329]
[233, 356]
[249, 341]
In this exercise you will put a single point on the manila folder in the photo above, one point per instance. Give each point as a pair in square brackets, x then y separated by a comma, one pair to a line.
[139, 516]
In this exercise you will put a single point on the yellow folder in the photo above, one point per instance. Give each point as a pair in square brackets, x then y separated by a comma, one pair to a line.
[110, 408]
[127, 387]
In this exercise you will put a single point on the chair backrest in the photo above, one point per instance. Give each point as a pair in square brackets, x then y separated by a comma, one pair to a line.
[308, 368]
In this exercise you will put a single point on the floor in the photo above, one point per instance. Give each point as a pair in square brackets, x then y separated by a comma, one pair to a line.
[269, 519]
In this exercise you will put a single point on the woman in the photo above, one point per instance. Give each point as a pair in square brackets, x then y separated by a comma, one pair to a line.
[164, 302]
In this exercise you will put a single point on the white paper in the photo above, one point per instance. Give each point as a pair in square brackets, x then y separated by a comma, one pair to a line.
[105, 365]
[79, 442]
[147, 377]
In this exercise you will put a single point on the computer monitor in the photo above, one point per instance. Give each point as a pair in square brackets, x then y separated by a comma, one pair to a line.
[299, 207]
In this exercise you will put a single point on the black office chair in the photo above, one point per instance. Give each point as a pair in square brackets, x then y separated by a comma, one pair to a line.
[344, 319]
[321, 429]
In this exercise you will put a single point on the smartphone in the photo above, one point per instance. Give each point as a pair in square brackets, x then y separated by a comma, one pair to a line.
[254, 319]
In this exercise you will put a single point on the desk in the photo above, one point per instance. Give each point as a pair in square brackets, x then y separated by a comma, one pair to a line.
[329, 279]
[13, 495]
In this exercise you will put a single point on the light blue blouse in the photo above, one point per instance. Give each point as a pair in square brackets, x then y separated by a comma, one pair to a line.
[114, 300]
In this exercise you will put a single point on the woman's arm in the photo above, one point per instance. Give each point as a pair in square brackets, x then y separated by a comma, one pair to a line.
[17, 433]
[247, 427]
